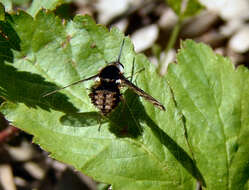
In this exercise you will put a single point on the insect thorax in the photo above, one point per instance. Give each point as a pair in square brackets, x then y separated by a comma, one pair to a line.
[111, 72]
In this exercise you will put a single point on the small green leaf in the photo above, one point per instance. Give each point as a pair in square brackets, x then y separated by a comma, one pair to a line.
[213, 98]
[37, 5]
[176, 5]
[190, 8]
[2, 12]
[193, 7]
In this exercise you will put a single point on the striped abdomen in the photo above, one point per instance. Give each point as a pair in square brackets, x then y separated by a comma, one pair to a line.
[105, 96]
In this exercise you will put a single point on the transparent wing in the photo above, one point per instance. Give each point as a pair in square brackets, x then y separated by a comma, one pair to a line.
[141, 93]
[83, 80]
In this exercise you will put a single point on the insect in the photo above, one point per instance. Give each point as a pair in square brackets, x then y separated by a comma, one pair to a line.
[105, 93]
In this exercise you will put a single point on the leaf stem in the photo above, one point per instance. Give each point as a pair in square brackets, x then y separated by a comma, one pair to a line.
[172, 40]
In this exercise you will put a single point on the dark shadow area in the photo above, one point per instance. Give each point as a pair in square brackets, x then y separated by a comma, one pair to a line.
[180, 154]
[3, 122]
[66, 11]
[24, 87]
[8, 40]
[29, 88]
[70, 180]
[86, 119]
[129, 120]
[1, 100]
[124, 120]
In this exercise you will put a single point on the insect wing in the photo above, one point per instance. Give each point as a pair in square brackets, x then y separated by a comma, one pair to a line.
[141, 93]
[83, 80]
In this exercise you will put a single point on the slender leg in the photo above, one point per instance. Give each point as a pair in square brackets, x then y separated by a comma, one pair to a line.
[99, 120]
[132, 70]
[130, 110]
[136, 73]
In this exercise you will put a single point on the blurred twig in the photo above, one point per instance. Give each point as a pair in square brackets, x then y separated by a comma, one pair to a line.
[8, 131]
[170, 44]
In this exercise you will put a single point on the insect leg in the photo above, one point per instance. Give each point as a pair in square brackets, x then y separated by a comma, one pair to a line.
[83, 80]
[99, 120]
[133, 69]
[139, 71]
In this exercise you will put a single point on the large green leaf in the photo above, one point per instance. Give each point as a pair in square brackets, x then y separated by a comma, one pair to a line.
[132, 149]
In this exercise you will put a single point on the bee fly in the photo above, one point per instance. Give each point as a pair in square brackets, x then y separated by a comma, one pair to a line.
[105, 93]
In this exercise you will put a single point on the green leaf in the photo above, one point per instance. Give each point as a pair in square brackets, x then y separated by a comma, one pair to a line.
[2, 12]
[45, 4]
[213, 98]
[193, 7]
[185, 9]
[176, 5]
[138, 146]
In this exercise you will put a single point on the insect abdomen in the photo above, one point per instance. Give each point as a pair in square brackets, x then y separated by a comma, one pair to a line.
[105, 99]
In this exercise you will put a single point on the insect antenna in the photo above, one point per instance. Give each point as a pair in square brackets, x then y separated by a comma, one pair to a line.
[120, 52]
[83, 80]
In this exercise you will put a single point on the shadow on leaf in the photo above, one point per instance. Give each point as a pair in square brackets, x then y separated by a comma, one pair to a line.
[8, 40]
[28, 88]
[131, 121]
[122, 123]
[124, 120]
[24, 87]
[180, 154]
[86, 119]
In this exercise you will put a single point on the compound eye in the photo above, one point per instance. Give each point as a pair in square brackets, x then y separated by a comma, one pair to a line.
[120, 67]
